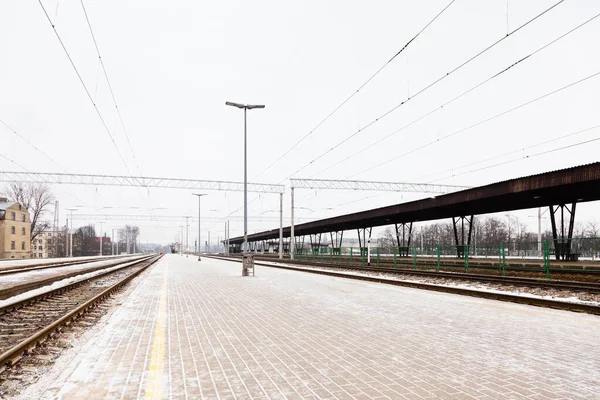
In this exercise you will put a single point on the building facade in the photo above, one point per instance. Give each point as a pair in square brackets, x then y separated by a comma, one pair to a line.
[15, 230]
[45, 244]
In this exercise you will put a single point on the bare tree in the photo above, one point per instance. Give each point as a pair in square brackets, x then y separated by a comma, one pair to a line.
[36, 198]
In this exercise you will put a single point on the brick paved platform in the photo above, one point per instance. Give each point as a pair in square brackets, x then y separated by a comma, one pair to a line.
[199, 330]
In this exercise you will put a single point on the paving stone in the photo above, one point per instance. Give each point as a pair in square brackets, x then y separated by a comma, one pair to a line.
[198, 329]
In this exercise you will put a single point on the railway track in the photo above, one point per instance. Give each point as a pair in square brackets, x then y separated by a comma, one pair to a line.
[534, 301]
[27, 323]
[36, 267]
[505, 280]
[25, 285]
[457, 264]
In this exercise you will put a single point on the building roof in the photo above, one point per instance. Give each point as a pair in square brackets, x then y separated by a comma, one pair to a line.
[569, 185]
[6, 204]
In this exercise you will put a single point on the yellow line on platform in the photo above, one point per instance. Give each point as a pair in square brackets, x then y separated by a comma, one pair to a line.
[154, 383]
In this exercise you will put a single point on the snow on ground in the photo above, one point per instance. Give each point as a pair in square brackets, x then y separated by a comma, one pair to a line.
[56, 285]
[12, 279]
[560, 295]
[10, 263]
[200, 330]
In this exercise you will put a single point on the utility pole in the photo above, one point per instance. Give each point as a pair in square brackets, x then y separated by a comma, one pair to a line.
[187, 234]
[199, 242]
[71, 231]
[292, 238]
[181, 242]
[100, 237]
[280, 225]
[67, 239]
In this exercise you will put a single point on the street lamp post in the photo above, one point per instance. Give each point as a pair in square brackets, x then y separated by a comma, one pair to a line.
[245, 107]
[199, 245]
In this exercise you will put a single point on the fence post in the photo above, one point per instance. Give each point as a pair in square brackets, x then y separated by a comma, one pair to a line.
[466, 255]
[438, 259]
[503, 261]
[378, 256]
[547, 258]
[414, 249]
[350, 254]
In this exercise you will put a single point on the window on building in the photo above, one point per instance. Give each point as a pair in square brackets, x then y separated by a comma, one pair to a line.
[22, 230]
[22, 245]
[40, 241]
[35, 247]
[23, 218]
[13, 216]
[12, 245]
[40, 248]
[12, 230]
[40, 255]
[33, 255]
[50, 234]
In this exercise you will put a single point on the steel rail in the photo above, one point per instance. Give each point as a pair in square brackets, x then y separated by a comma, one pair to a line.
[35, 267]
[30, 285]
[506, 280]
[12, 355]
[533, 301]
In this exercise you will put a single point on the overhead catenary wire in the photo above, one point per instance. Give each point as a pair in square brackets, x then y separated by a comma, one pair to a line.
[451, 170]
[492, 77]
[32, 145]
[424, 89]
[85, 87]
[110, 88]
[523, 157]
[458, 132]
[343, 103]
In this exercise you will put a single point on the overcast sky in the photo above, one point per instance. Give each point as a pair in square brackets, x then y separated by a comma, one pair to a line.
[173, 64]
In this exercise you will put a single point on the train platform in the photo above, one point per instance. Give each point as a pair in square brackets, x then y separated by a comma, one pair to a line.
[191, 330]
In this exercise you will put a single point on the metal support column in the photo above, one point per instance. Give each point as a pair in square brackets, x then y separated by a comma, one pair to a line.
[292, 240]
[280, 225]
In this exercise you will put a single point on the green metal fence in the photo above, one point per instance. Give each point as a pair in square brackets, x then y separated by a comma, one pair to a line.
[531, 256]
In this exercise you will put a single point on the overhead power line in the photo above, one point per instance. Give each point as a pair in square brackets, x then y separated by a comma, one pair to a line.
[355, 92]
[109, 85]
[525, 157]
[424, 89]
[85, 87]
[32, 145]
[494, 76]
[479, 123]
[451, 170]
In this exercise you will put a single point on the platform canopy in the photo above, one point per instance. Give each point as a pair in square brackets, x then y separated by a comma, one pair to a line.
[565, 186]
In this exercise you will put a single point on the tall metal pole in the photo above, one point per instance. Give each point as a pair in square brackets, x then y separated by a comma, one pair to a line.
[208, 243]
[280, 225]
[228, 235]
[100, 237]
[539, 232]
[245, 189]
[112, 243]
[187, 234]
[199, 231]
[181, 242]
[67, 240]
[292, 239]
